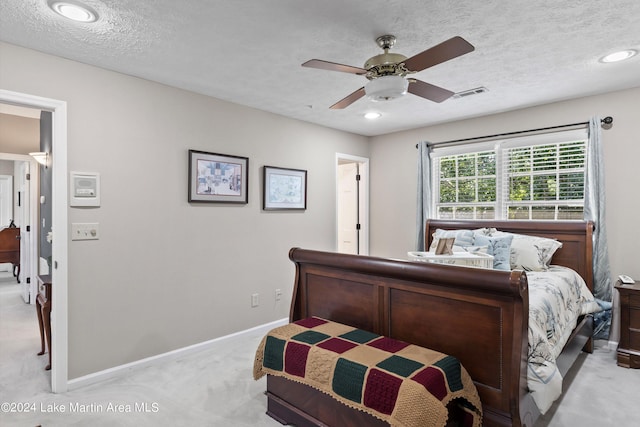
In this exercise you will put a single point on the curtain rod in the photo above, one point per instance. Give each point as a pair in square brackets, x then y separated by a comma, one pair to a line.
[606, 124]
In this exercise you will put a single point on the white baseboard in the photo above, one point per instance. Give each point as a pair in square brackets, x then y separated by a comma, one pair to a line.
[613, 345]
[117, 371]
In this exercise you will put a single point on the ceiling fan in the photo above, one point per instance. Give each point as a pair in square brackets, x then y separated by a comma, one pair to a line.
[387, 72]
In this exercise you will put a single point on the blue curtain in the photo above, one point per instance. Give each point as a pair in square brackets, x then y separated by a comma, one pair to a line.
[424, 192]
[594, 210]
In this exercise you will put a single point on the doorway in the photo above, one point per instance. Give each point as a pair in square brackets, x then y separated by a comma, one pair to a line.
[20, 200]
[59, 272]
[352, 204]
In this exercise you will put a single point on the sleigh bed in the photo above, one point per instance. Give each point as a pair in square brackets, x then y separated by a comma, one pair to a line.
[479, 316]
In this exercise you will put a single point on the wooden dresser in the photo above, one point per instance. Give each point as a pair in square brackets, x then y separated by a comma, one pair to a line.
[629, 347]
[10, 248]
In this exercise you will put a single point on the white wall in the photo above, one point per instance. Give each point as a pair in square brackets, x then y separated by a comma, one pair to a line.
[394, 160]
[6, 167]
[166, 274]
[19, 135]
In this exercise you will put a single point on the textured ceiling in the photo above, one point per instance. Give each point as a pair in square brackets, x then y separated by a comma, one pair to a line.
[527, 52]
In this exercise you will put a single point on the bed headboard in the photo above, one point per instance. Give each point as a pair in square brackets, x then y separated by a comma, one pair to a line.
[576, 237]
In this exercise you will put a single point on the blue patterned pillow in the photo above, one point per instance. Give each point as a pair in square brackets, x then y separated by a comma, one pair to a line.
[499, 247]
[476, 249]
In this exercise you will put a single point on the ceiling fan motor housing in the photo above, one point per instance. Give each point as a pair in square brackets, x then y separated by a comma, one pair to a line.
[386, 73]
[386, 64]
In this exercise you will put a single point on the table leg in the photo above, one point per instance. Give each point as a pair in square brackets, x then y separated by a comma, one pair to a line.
[41, 326]
[16, 275]
[46, 314]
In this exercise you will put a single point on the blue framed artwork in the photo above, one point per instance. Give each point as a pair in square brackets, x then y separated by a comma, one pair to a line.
[284, 189]
[218, 178]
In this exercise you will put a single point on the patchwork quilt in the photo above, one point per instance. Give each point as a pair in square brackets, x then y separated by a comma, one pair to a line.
[400, 383]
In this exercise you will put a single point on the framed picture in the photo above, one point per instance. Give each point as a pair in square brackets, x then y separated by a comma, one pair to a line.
[218, 178]
[445, 246]
[284, 189]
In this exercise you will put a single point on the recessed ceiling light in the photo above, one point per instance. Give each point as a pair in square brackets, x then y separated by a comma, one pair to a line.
[619, 56]
[74, 11]
[372, 115]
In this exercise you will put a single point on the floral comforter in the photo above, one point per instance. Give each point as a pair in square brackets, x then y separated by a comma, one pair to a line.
[557, 298]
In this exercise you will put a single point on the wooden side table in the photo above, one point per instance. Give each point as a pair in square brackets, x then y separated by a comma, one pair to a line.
[629, 347]
[43, 309]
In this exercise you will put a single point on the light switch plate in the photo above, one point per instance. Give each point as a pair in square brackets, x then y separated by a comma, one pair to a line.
[85, 231]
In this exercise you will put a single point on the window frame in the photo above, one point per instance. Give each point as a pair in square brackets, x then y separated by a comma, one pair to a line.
[500, 149]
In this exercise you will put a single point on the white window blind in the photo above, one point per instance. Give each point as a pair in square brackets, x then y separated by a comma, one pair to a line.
[532, 177]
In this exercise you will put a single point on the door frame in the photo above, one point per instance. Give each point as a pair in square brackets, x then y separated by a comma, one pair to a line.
[59, 271]
[364, 198]
[33, 219]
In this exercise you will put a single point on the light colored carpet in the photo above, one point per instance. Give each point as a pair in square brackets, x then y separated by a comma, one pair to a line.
[215, 387]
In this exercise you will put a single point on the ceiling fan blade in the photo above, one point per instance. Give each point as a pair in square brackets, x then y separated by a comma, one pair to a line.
[445, 51]
[350, 99]
[428, 91]
[332, 66]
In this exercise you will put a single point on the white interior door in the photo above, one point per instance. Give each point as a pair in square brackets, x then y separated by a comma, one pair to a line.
[352, 204]
[24, 214]
[348, 208]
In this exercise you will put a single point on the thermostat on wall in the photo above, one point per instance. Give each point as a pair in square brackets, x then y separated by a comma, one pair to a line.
[85, 189]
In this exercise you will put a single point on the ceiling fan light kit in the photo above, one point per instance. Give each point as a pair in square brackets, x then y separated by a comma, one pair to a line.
[387, 72]
[386, 88]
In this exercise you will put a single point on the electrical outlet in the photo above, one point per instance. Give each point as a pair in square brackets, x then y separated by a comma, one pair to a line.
[278, 294]
[254, 300]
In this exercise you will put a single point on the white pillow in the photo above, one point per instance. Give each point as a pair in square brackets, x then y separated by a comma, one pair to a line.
[530, 253]
[484, 232]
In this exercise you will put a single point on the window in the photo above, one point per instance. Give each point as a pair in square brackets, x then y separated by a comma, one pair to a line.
[533, 177]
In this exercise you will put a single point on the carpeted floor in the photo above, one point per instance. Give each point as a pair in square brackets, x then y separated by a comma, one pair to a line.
[215, 387]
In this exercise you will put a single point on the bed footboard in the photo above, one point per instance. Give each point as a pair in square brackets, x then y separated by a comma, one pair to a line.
[479, 318]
